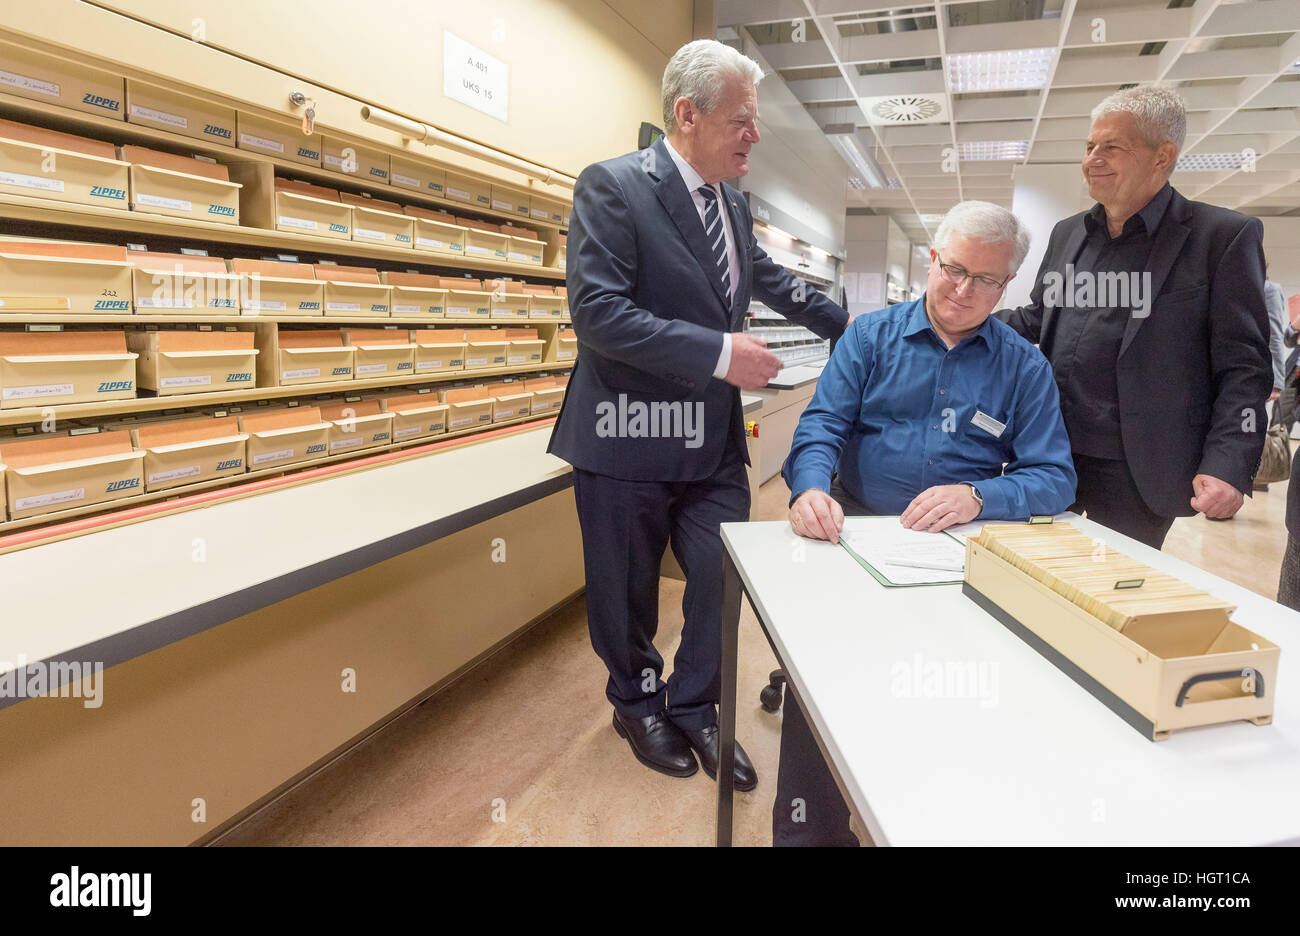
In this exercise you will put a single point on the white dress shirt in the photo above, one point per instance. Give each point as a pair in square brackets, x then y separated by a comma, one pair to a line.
[693, 182]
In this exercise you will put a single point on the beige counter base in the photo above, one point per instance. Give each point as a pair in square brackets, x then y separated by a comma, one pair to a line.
[230, 715]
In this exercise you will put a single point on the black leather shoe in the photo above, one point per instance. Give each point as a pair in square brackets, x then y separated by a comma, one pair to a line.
[705, 743]
[657, 743]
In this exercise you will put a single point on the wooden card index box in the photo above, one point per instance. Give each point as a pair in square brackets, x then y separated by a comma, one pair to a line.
[303, 208]
[189, 451]
[463, 188]
[359, 162]
[468, 407]
[484, 240]
[416, 295]
[381, 352]
[544, 209]
[49, 368]
[417, 177]
[82, 170]
[33, 75]
[284, 436]
[437, 231]
[509, 301]
[415, 415]
[487, 348]
[524, 347]
[543, 303]
[566, 345]
[379, 222]
[523, 245]
[439, 350]
[466, 298]
[357, 424]
[511, 400]
[181, 187]
[166, 283]
[276, 138]
[174, 362]
[151, 106]
[509, 200]
[305, 356]
[548, 394]
[80, 279]
[268, 287]
[1162, 656]
[354, 291]
[48, 474]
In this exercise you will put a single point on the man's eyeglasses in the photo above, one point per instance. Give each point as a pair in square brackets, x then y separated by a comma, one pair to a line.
[958, 275]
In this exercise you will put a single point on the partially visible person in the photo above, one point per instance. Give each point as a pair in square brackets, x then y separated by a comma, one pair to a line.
[1288, 586]
[1278, 326]
[1163, 378]
[920, 408]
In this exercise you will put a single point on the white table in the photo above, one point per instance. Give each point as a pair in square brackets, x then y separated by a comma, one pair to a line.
[1020, 754]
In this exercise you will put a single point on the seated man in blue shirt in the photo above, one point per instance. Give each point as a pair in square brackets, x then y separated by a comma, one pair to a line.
[932, 410]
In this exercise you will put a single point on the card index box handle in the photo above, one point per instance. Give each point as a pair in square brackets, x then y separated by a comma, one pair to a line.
[1254, 674]
[217, 352]
[79, 261]
[190, 177]
[79, 463]
[290, 430]
[64, 358]
[321, 350]
[202, 443]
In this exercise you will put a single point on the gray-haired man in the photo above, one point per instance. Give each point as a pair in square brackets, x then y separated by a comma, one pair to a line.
[662, 264]
[1151, 309]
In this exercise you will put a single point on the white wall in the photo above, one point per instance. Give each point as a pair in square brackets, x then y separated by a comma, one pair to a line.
[1282, 251]
[793, 167]
[1044, 194]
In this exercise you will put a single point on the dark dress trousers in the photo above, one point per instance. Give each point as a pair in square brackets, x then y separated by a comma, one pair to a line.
[1191, 376]
[657, 443]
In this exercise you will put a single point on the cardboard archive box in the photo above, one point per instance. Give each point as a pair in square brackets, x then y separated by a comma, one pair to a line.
[466, 298]
[379, 222]
[437, 231]
[180, 186]
[48, 474]
[285, 436]
[62, 166]
[167, 283]
[418, 177]
[187, 361]
[50, 368]
[381, 352]
[471, 191]
[416, 295]
[438, 350]
[359, 162]
[30, 74]
[487, 348]
[268, 286]
[417, 415]
[354, 291]
[524, 347]
[80, 279]
[277, 138]
[303, 208]
[151, 106]
[306, 356]
[357, 424]
[190, 451]
[467, 407]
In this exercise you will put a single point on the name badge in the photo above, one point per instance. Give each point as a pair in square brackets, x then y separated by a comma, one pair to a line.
[988, 424]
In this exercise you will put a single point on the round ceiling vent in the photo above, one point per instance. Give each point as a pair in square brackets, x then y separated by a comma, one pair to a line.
[906, 108]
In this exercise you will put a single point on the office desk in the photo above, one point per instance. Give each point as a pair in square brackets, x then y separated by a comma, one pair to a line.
[943, 727]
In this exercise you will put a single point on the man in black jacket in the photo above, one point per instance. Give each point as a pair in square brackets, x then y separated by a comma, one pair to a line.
[1151, 310]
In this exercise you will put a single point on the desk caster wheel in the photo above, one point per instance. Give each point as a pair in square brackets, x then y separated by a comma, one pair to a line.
[770, 697]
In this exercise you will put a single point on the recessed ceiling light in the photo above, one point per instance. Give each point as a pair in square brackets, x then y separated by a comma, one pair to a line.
[1017, 70]
[1210, 162]
[981, 151]
[856, 183]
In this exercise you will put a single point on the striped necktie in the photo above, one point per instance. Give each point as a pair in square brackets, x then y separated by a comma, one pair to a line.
[715, 234]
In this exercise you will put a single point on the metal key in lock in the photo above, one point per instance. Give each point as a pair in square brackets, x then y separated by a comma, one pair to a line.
[298, 99]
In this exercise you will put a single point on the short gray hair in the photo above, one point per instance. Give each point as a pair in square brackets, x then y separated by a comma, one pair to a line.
[698, 72]
[984, 221]
[1160, 113]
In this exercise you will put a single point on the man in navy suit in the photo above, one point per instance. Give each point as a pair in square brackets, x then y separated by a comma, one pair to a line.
[662, 265]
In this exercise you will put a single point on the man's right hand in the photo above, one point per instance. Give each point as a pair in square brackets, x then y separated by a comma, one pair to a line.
[816, 515]
[752, 365]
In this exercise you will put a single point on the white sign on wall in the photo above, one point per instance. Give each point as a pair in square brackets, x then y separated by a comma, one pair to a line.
[473, 77]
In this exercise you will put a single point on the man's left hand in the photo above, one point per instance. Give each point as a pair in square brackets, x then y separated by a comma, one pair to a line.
[940, 507]
[1215, 498]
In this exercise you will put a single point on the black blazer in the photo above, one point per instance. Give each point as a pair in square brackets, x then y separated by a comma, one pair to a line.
[649, 315]
[1193, 375]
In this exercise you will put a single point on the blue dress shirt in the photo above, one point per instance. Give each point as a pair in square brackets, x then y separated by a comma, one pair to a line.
[901, 412]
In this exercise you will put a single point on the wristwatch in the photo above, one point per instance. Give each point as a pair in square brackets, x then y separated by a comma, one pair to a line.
[979, 499]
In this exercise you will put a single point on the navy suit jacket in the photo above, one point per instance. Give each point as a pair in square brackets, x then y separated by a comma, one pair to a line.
[649, 315]
[1194, 374]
